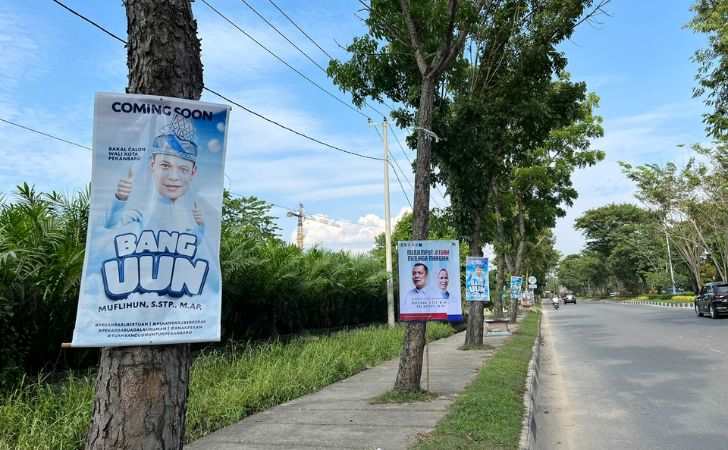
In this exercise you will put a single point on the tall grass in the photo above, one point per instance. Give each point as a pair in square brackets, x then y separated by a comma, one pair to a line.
[225, 385]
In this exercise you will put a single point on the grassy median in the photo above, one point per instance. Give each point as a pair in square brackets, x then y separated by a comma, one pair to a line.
[488, 414]
[226, 385]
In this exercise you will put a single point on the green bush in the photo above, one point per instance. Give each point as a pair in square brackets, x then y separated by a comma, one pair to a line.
[683, 298]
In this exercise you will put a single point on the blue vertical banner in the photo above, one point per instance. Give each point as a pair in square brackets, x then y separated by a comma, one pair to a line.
[151, 272]
[429, 280]
[516, 283]
[477, 287]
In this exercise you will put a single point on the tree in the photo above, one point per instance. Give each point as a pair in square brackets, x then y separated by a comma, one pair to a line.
[710, 18]
[583, 273]
[628, 240]
[501, 104]
[141, 392]
[249, 216]
[421, 41]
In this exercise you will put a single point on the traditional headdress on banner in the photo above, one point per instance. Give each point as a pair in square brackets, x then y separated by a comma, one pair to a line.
[177, 139]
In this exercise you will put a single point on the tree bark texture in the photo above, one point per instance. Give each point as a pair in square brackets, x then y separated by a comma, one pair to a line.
[410, 360]
[141, 392]
[474, 332]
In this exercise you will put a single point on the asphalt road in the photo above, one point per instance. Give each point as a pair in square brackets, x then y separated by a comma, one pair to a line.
[632, 377]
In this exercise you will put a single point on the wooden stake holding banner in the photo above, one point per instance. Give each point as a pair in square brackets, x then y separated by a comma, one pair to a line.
[427, 362]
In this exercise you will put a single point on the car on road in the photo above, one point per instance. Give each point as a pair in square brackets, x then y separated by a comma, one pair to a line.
[569, 298]
[712, 300]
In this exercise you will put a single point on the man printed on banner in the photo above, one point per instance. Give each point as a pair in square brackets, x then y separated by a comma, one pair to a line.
[477, 281]
[419, 280]
[443, 280]
[172, 204]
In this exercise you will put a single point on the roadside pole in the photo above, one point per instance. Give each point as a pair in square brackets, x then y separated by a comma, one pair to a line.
[669, 260]
[388, 229]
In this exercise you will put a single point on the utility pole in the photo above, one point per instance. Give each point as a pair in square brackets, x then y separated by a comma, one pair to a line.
[388, 230]
[299, 228]
[387, 225]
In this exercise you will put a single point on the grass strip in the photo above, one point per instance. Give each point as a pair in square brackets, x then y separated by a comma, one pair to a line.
[403, 397]
[488, 414]
[225, 385]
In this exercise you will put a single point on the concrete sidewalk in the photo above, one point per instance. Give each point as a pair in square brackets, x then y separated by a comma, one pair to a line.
[340, 416]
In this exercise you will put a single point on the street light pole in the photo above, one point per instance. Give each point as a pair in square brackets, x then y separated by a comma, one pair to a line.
[669, 259]
[388, 230]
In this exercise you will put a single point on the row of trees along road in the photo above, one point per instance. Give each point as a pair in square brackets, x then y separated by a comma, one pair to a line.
[516, 128]
[686, 215]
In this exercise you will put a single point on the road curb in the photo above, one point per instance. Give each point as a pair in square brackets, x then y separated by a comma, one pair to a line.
[528, 426]
[660, 304]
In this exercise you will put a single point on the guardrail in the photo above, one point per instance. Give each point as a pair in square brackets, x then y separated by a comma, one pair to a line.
[683, 305]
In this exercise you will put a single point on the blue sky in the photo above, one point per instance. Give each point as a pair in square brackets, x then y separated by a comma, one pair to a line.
[637, 61]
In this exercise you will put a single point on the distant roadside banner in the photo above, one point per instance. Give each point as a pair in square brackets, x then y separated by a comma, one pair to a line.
[477, 288]
[429, 280]
[516, 283]
[151, 272]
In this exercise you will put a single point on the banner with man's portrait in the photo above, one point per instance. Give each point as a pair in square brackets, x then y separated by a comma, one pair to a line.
[429, 280]
[477, 287]
[151, 272]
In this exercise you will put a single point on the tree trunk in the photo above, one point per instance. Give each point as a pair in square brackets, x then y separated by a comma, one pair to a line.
[475, 331]
[141, 392]
[410, 360]
[500, 277]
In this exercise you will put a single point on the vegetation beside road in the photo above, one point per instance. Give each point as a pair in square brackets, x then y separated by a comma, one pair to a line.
[271, 288]
[226, 385]
[488, 414]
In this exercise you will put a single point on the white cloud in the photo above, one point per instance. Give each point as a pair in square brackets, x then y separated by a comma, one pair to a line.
[357, 237]
[19, 40]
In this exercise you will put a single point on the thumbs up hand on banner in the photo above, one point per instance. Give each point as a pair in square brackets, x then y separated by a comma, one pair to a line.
[124, 188]
[197, 214]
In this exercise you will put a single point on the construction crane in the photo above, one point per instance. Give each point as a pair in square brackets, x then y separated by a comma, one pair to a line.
[300, 215]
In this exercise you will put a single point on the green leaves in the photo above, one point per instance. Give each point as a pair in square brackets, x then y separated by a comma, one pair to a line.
[711, 17]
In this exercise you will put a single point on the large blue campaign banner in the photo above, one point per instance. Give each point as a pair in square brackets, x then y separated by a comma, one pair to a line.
[151, 272]
[516, 283]
[477, 288]
[429, 280]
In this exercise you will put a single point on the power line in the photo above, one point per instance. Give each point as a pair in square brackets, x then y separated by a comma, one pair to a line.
[89, 21]
[301, 30]
[389, 161]
[401, 186]
[283, 35]
[401, 147]
[257, 114]
[396, 163]
[283, 61]
[299, 133]
[299, 49]
[42, 133]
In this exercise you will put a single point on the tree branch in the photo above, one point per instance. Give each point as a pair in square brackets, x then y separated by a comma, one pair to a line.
[414, 37]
